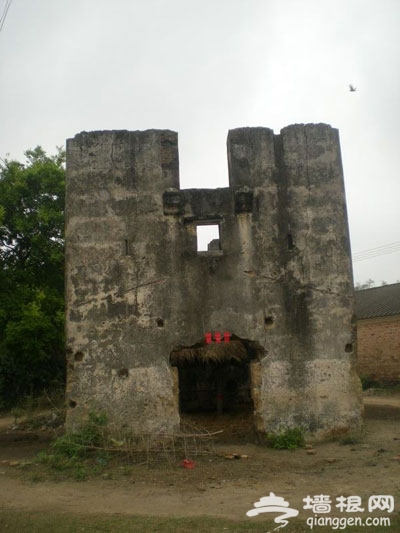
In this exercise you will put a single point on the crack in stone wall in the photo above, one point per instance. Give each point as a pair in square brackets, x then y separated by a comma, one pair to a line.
[137, 286]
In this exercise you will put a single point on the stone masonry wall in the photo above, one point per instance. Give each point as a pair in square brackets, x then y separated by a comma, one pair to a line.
[378, 346]
[281, 279]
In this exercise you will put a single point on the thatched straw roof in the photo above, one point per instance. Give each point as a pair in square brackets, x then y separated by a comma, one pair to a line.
[214, 353]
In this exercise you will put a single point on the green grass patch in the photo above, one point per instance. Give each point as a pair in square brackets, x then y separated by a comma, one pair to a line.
[78, 455]
[291, 439]
[93, 435]
[34, 522]
[350, 440]
[59, 467]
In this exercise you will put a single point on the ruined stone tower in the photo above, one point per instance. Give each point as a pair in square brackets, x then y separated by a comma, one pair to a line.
[264, 317]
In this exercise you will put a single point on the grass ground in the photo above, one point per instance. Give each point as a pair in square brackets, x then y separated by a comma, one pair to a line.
[32, 522]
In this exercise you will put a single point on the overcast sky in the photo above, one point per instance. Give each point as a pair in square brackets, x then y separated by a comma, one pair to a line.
[203, 67]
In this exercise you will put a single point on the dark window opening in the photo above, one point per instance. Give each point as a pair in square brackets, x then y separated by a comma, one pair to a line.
[208, 238]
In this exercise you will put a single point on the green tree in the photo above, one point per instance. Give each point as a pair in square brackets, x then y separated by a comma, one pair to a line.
[31, 273]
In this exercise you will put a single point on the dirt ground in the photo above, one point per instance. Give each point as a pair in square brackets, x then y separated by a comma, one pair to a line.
[216, 486]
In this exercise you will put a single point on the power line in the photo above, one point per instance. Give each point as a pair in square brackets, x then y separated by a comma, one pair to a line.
[379, 247]
[4, 15]
[377, 252]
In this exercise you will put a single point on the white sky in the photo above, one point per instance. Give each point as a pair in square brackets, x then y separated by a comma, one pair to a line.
[202, 67]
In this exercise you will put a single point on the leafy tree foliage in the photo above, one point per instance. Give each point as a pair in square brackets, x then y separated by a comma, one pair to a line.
[31, 273]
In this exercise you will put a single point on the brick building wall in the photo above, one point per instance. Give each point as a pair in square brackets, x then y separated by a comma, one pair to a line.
[378, 344]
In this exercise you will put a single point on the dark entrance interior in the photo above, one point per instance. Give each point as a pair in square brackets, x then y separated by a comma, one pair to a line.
[215, 383]
[214, 387]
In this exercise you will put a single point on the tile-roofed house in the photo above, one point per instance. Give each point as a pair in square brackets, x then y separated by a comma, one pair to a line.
[378, 301]
[378, 333]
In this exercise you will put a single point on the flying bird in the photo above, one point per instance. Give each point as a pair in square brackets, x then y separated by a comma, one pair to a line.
[352, 88]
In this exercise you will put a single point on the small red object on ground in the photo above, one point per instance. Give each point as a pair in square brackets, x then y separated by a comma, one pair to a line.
[227, 336]
[208, 338]
[188, 463]
[217, 336]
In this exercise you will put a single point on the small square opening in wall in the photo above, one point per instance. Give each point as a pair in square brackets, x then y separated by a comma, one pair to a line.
[208, 238]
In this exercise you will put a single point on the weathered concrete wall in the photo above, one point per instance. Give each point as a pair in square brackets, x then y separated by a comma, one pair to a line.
[137, 287]
[119, 277]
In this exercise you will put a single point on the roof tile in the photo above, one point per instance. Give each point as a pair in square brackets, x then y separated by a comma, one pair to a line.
[378, 301]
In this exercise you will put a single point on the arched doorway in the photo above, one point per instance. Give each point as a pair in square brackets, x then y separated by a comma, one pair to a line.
[215, 387]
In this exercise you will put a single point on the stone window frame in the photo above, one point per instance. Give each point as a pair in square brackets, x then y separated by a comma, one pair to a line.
[209, 222]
